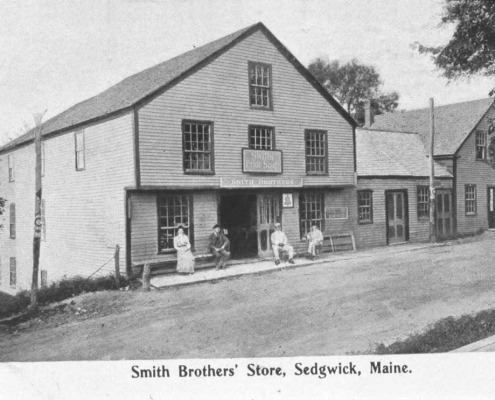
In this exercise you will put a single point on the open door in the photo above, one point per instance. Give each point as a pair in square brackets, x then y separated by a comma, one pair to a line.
[268, 214]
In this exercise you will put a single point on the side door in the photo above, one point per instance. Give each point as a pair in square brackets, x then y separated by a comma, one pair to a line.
[443, 212]
[491, 209]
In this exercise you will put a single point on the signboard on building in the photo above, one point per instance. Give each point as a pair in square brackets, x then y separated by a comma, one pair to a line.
[262, 161]
[336, 213]
[256, 182]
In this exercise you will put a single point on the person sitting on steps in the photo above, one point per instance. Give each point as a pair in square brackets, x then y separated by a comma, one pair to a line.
[219, 246]
[280, 243]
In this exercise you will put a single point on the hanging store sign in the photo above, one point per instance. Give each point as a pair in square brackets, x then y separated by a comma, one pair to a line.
[256, 182]
[262, 161]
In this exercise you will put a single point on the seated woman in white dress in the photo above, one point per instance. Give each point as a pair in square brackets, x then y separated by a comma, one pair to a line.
[185, 258]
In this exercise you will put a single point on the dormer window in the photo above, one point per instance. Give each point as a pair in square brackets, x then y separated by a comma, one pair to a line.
[260, 85]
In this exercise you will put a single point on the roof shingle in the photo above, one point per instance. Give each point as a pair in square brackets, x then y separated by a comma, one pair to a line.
[381, 153]
[453, 123]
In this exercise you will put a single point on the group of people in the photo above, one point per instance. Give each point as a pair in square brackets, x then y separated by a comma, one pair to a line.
[219, 246]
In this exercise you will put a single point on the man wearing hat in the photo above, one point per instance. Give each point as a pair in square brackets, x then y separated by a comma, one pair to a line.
[280, 243]
[219, 247]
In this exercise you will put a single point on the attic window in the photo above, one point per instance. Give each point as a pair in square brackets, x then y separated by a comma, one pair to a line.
[260, 85]
[481, 145]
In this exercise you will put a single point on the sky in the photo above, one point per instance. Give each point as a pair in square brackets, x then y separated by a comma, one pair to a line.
[54, 54]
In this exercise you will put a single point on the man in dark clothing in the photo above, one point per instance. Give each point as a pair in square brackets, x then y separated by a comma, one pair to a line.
[219, 246]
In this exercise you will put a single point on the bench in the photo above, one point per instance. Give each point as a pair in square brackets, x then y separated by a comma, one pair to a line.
[336, 242]
[166, 265]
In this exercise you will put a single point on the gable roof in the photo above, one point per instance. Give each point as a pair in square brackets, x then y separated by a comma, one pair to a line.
[453, 123]
[383, 153]
[144, 85]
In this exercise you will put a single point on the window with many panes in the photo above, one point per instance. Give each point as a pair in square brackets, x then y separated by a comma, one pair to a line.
[173, 211]
[481, 145]
[198, 146]
[311, 211]
[316, 152]
[423, 201]
[365, 206]
[44, 278]
[260, 89]
[80, 150]
[470, 197]
[10, 159]
[261, 138]
[13, 272]
[12, 220]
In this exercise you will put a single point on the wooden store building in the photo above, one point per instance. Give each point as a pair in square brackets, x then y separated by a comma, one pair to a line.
[235, 132]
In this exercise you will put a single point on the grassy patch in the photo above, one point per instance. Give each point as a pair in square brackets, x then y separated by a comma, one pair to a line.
[445, 335]
[58, 291]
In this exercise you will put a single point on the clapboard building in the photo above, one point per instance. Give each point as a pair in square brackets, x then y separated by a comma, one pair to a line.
[393, 190]
[461, 145]
[236, 131]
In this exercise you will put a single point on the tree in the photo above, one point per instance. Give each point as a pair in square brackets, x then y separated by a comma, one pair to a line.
[471, 50]
[352, 84]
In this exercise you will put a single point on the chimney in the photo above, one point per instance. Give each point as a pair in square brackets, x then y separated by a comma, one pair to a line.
[368, 114]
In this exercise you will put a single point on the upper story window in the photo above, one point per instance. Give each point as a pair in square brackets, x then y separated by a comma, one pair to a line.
[260, 85]
[198, 147]
[470, 199]
[10, 159]
[481, 145]
[423, 201]
[12, 220]
[316, 152]
[365, 206]
[80, 150]
[261, 138]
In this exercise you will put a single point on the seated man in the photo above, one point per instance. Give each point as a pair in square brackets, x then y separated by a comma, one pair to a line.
[280, 243]
[219, 247]
[315, 239]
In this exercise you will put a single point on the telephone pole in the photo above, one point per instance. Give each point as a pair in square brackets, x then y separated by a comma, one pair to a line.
[433, 233]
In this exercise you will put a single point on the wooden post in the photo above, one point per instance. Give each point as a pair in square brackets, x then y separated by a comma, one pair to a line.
[433, 233]
[146, 277]
[117, 265]
[37, 214]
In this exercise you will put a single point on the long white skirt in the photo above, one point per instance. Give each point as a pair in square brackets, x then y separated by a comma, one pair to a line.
[185, 262]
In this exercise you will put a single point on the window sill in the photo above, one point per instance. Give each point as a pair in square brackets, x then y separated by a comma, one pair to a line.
[471, 214]
[365, 222]
[317, 173]
[193, 172]
[262, 108]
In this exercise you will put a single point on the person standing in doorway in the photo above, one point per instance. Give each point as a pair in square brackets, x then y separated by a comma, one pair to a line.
[185, 258]
[219, 246]
[280, 243]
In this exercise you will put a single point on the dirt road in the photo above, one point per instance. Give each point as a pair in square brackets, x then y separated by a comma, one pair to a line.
[326, 309]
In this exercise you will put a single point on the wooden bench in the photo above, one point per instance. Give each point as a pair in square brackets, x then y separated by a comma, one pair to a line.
[166, 265]
[337, 242]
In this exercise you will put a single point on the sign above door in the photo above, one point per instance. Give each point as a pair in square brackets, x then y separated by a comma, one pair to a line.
[255, 182]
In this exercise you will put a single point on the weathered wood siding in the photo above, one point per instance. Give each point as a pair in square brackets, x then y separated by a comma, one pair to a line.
[219, 92]
[479, 173]
[375, 233]
[84, 210]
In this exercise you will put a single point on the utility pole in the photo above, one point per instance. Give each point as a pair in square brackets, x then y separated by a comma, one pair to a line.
[37, 213]
[433, 233]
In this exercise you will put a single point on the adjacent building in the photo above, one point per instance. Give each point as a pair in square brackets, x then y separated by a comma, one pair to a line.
[236, 132]
[461, 145]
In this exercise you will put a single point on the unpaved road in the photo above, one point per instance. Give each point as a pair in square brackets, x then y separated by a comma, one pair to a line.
[326, 309]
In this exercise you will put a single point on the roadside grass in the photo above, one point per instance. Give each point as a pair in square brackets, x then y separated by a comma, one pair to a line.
[445, 335]
[57, 291]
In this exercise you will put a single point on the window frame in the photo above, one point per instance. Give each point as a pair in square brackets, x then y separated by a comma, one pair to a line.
[268, 107]
[211, 171]
[418, 202]
[359, 206]
[309, 222]
[189, 229]
[10, 168]
[307, 133]
[43, 278]
[467, 201]
[13, 272]
[484, 146]
[82, 151]
[12, 221]
[272, 138]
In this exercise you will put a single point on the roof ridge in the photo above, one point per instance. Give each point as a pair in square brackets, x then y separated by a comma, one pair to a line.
[440, 106]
